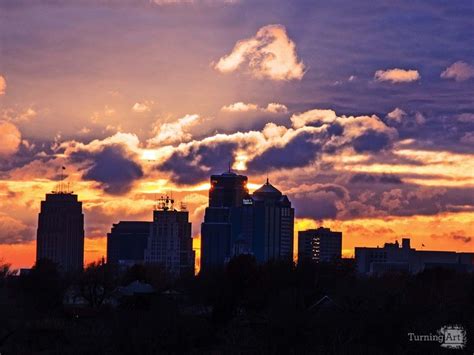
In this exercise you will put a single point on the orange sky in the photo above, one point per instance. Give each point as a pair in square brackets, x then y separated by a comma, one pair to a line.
[430, 231]
[377, 143]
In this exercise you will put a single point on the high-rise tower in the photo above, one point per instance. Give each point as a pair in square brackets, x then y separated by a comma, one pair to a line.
[170, 243]
[273, 224]
[60, 235]
[222, 219]
[236, 222]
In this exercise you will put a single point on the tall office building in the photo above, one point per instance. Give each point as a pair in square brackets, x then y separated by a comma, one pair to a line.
[222, 221]
[319, 245]
[228, 190]
[273, 223]
[127, 241]
[236, 222]
[170, 241]
[60, 235]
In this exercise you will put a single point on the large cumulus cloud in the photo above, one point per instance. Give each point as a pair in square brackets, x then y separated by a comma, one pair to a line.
[312, 134]
[112, 162]
[270, 54]
[111, 167]
[10, 137]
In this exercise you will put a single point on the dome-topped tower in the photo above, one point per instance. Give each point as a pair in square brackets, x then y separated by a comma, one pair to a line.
[267, 191]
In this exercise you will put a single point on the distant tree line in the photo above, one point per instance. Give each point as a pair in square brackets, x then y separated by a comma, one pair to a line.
[244, 308]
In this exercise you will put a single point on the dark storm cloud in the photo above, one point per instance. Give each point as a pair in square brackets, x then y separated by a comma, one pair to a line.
[298, 152]
[321, 202]
[371, 141]
[370, 195]
[195, 165]
[362, 178]
[111, 167]
[35, 150]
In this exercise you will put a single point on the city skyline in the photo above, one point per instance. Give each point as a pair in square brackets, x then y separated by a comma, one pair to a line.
[366, 122]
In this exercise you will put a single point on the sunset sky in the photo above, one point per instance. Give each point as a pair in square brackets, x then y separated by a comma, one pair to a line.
[361, 112]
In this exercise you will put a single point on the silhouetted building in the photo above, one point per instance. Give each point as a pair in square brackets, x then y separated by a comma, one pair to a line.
[319, 245]
[395, 258]
[237, 223]
[127, 241]
[228, 190]
[170, 241]
[222, 220]
[60, 236]
[273, 223]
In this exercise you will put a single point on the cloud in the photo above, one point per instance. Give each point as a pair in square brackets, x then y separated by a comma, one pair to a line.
[16, 115]
[3, 85]
[300, 150]
[14, 231]
[370, 179]
[273, 107]
[10, 138]
[112, 167]
[462, 238]
[196, 163]
[371, 141]
[98, 116]
[397, 75]
[173, 132]
[240, 107]
[466, 117]
[468, 138]
[396, 115]
[459, 71]
[111, 162]
[330, 199]
[313, 116]
[270, 54]
[141, 107]
[314, 134]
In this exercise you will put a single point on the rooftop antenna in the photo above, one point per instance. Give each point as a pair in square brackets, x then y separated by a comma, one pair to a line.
[61, 187]
[229, 166]
[268, 182]
[165, 203]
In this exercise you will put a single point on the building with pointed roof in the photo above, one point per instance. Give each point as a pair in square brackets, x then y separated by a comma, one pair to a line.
[237, 222]
[273, 224]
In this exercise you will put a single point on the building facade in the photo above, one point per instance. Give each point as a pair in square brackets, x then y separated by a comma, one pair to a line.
[170, 242]
[402, 258]
[126, 243]
[222, 219]
[273, 224]
[237, 222]
[60, 234]
[319, 245]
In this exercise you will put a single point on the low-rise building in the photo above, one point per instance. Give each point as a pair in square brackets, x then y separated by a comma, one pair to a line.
[319, 245]
[395, 258]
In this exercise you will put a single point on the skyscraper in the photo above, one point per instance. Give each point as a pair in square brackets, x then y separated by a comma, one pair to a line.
[60, 236]
[170, 241]
[319, 245]
[228, 190]
[127, 241]
[273, 224]
[222, 220]
[236, 222]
